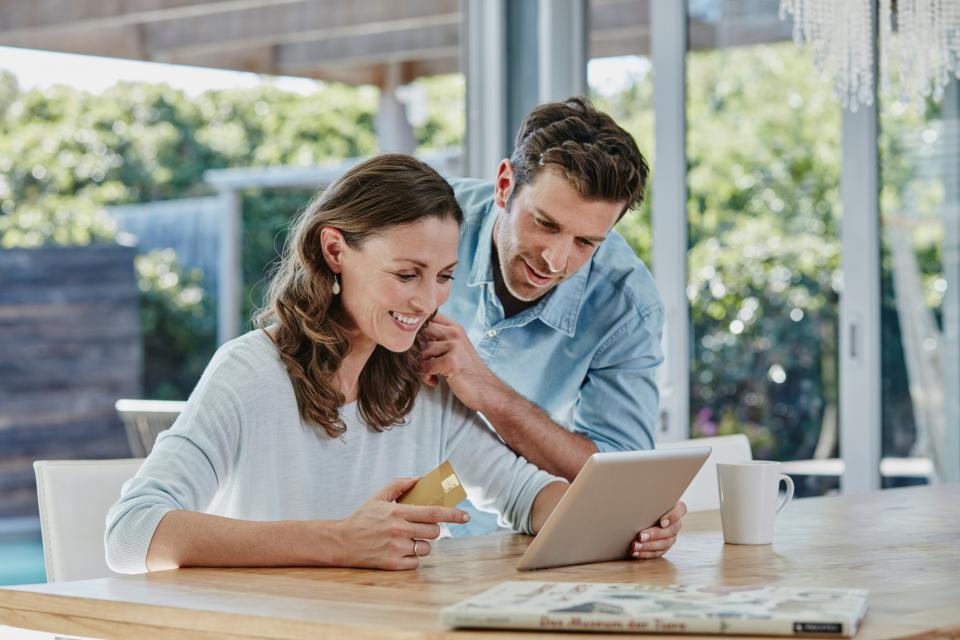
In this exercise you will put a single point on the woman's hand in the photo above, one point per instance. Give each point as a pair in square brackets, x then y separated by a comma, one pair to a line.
[382, 534]
[656, 541]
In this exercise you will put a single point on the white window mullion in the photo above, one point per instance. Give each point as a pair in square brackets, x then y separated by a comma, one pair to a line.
[562, 55]
[951, 271]
[668, 26]
[860, 399]
[484, 53]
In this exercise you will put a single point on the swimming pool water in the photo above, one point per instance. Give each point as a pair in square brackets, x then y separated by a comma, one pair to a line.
[21, 561]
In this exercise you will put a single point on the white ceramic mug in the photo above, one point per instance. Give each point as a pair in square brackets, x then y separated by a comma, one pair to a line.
[748, 500]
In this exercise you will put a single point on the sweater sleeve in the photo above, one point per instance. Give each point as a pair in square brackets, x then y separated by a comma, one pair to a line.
[183, 471]
[495, 478]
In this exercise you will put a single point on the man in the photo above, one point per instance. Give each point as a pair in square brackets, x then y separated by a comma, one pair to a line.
[552, 329]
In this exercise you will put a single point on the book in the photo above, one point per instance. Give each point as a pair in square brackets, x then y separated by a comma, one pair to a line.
[680, 609]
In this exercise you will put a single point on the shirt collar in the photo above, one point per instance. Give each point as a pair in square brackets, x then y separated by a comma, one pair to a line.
[560, 310]
[482, 272]
[564, 302]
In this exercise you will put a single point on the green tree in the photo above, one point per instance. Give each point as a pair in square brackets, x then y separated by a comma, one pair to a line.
[65, 154]
[632, 108]
[764, 167]
[445, 121]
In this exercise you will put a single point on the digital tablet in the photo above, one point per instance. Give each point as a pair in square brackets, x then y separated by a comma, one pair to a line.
[614, 497]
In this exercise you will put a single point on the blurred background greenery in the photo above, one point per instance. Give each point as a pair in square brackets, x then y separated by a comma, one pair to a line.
[65, 154]
[763, 215]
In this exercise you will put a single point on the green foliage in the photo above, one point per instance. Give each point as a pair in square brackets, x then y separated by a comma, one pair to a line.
[133, 143]
[765, 350]
[178, 318]
[9, 88]
[912, 201]
[266, 218]
[632, 109]
[764, 236]
[763, 142]
[444, 124]
[268, 126]
[139, 142]
[762, 442]
[55, 220]
[64, 154]
[763, 211]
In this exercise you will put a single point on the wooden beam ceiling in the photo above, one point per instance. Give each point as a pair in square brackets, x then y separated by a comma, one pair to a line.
[390, 47]
[19, 17]
[353, 41]
[294, 23]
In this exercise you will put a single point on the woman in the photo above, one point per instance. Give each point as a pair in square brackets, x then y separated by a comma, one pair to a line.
[294, 426]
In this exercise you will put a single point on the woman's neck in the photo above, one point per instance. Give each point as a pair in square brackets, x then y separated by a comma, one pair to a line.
[348, 375]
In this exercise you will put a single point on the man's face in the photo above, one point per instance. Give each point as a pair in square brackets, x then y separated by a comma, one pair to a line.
[548, 233]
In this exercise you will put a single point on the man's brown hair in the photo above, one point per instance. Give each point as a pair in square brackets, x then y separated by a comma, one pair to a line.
[596, 156]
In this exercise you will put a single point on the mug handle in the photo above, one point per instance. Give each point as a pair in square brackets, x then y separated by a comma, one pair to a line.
[789, 495]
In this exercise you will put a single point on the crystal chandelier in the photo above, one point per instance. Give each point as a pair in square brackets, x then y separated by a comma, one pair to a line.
[922, 36]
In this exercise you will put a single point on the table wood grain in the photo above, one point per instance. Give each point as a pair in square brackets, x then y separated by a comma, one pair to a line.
[901, 544]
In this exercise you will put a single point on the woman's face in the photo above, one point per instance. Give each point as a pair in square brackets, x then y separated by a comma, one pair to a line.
[396, 279]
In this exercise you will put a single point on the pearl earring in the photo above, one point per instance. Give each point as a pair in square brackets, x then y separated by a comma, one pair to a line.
[336, 285]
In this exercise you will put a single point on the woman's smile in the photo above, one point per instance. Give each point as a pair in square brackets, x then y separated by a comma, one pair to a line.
[406, 322]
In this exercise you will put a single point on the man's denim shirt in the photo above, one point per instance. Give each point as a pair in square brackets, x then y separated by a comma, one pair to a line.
[586, 353]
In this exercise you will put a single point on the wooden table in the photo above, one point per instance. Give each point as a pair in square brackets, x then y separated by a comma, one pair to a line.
[902, 544]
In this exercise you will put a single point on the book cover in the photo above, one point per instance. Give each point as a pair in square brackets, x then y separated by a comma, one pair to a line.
[638, 608]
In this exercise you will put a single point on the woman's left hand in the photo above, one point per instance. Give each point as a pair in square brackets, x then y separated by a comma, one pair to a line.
[657, 540]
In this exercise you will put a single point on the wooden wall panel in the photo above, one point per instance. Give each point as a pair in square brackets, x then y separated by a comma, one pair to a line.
[69, 348]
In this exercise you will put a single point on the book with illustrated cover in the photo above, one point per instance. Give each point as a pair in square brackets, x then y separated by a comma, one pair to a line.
[638, 608]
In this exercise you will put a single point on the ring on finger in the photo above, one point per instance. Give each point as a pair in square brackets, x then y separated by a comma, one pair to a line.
[416, 549]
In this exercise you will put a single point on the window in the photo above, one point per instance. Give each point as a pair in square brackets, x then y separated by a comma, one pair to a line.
[620, 80]
[763, 145]
[920, 199]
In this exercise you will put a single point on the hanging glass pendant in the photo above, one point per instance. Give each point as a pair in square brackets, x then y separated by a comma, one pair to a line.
[924, 36]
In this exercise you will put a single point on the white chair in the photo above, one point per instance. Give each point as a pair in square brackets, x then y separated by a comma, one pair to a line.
[143, 421]
[703, 494]
[74, 497]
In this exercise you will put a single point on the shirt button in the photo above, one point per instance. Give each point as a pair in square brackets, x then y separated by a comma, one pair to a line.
[492, 333]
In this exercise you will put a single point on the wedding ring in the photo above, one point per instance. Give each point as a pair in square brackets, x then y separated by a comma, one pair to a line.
[415, 549]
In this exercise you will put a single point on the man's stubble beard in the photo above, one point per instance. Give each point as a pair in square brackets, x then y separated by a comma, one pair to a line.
[504, 258]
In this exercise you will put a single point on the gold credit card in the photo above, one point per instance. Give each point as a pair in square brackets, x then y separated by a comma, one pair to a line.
[439, 488]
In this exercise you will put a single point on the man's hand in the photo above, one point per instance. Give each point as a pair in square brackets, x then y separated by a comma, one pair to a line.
[450, 355]
[524, 426]
[656, 541]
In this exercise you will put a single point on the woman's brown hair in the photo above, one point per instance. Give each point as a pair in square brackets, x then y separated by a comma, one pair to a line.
[303, 314]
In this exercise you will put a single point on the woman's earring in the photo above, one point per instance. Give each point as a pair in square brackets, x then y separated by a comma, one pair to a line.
[336, 285]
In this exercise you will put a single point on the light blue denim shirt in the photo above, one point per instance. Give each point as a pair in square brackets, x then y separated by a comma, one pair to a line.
[587, 353]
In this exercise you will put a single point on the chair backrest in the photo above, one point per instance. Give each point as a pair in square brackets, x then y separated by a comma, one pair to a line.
[74, 497]
[143, 421]
[703, 494]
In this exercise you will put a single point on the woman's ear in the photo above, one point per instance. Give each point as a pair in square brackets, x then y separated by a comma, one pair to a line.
[332, 245]
[504, 184]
